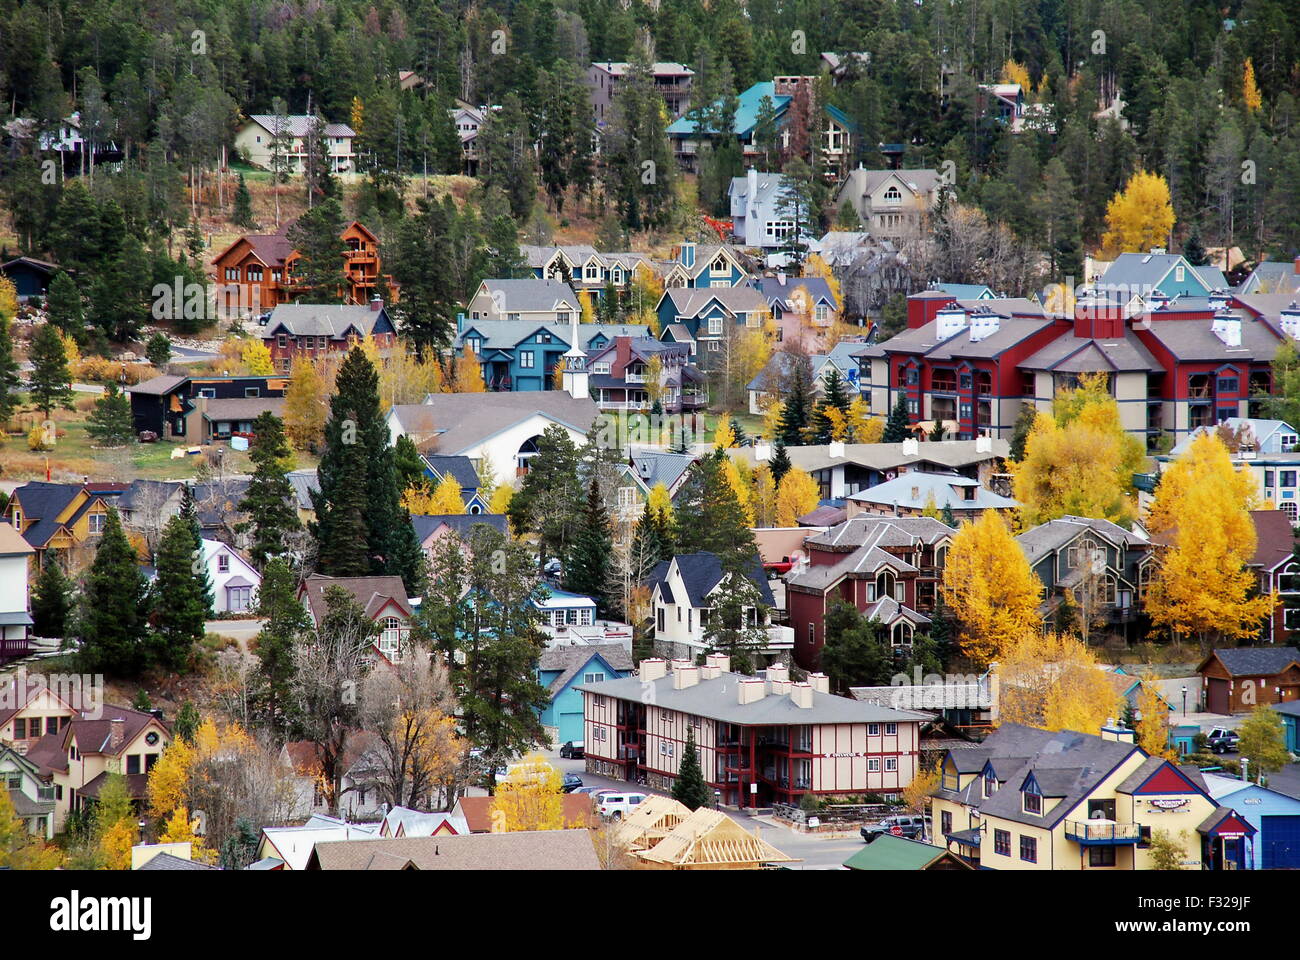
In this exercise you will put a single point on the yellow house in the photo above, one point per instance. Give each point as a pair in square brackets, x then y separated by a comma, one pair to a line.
[1030, 799]
[30, 709]
[56, 516]
[79, 758]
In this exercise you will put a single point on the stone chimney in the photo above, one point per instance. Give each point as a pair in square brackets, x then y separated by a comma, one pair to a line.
[820, 682]
[652, 669]
[684, 677]
[801, 694]
[750, 690]
[117, 733]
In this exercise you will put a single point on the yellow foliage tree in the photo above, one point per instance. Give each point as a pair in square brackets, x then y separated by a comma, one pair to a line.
[20, 850]
[724, 438]
[1015, 72]
[990, 588]
[500, 502]
[304, 404]
[557, 374]
[737, 474]
[447, 497]
[796, 494]
[256, 359]
[530, 799]
[660, 500]
[1153, 722]
[1052, 681]
[1140, 216]
[115, 844]
[764, 498]
[916, 795]
[816, 266]
[588, 314]
[772, 419]
[405, 378]
[467, 374]
[1205, 461]
[180, 829]
[9, 303]
[1250, 95]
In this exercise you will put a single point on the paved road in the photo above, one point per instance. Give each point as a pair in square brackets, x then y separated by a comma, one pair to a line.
[190, 355]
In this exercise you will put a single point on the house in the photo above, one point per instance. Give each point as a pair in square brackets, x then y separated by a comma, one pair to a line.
[383, 599]
[1273, 816]
[224, 419]
[311, 330]
[656, 467]
[254, 140]
[652, 819]
[78, 759]
[166, 404]
[30, 277]
[561, 609]
[468, 121]
[1103, 568]
[257, 272]
[585, 269]
[166, 856]
[525, 850]
[802, 307]
[672, 81]
[502, 428]
[405, 822]
[359, 795]
[32, 798]
[530, 300]
[1290, 712]
[293, 846]
[1134, 280]
[1266, 449]
[790, 99]
[707, 318]
[30, 707]
[887, 852]
[56, 516]
[1031, 799]
[889, 569]
[893, 204]
[760, 212]
[79, 149]
[771, 383]
[1269, 276]
[760, 739]
[710, 840]
[1237, 680]
[516, 356]
[712, 267]
[619, 371]
[910, 494]
[561, 669]
[234, 579]
[682, 592]
[432, 529]
[476, 812]
[16, 557]
[461, 470]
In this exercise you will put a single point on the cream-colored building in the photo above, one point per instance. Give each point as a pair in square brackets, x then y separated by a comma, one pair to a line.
[1030, 799]
[759, 739]
[256, 136]
[892, 203]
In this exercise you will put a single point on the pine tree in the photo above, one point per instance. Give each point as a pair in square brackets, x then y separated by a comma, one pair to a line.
[854, 652]
[834, 397]
[588, 570]
[796, 403]
[187, 722]
[243, 214]
[899, 425]
[270, 501]
[1193, 251]
[9, 379]
[111, 422]
[51, 601]
[65, 308]
[689, 788]
[111, 620]
[158, 351]
[946, 516]
[51, 381]
[780, 463]
[738, 433]
[284, 621]
[178, 607]
[317, 236]
[709, 516]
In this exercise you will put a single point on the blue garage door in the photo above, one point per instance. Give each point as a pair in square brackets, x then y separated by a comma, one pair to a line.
[1280, 837]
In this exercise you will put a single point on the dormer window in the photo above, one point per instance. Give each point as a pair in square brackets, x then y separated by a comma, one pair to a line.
[990, 784]
[893, 195]
[1032, 799]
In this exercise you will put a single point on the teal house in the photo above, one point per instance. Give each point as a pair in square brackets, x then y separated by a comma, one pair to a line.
[1275, 817]
[561, 669]
[1290, 723]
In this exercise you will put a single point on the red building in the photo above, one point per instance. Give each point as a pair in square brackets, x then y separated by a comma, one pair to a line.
[317, 329]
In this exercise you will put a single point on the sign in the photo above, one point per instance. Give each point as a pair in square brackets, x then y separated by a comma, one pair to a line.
[1169, 803]
[844, 756]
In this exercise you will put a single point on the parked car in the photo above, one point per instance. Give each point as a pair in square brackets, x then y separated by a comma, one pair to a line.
[571, 782]
[1222, 740]
[616, 806]
[900, 825]
[572, 750]
[595, 791]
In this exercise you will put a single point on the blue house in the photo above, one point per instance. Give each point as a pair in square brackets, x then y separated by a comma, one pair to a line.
[30, 277]
[1157, 276]
[561, 669]
[705, 318]
[437, 467]
[709, 266]
[518, 355]
[1274, 816]
[1290, 723]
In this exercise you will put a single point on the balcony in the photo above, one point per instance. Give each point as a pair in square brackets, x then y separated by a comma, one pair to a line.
[1102, 833]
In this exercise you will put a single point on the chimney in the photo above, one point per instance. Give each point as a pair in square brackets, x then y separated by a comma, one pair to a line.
[762, 451]
[778, 672]
[117, 733]
[652, 669]
[1117, 732]
[376, 303]
[836, 449]
[820, 682]
[801, 694]
[984, 324]
[678, 663]
[1290, 320]
[719, 660]
[1296, 265]
[911, 447]
[622, 352]
[949, 322]
[751, 184]
[684, 677]
[750, 690]
[1227, 327]
[709, 672]
[779, 688]
[780, 278]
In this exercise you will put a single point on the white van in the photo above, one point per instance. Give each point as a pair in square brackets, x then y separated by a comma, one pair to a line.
[615, 806]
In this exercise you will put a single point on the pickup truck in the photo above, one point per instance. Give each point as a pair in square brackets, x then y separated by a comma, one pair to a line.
[1222, 740]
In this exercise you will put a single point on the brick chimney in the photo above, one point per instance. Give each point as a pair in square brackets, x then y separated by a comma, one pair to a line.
[622, 353]
[117, 733]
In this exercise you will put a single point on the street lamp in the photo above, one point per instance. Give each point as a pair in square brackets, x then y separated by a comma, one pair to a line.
[1184, 702]
[717, 799]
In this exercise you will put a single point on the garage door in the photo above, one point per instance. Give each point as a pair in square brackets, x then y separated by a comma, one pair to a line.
[1280, 843]
[1217, 696]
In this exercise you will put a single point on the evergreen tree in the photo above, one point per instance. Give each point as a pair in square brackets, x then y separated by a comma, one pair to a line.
[111, 422]
[407, 463]
[738, 432]
[548, 503]
[270, 501]
[899, 425]
[780, 464]
[64, 306]
[178, 607]
[588, 570]
[709, 516]
[51, 381]
[243, 214]
[689, 788]
[284, 622]
[835, 397]
[240, 848]
[51, 601]
[1020, 431]
[739, 611]
[1193, 251]
[9, 379]
[111, 621]
[187, 722]
[854, 652]
[317, 236]
[419, 258]
[158, 351]
[946, 516]
[796, 402]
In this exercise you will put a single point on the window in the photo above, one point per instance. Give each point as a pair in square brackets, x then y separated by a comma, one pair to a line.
[1180, 273]
[873, 765]
[990, 784]
[893, 195]
[390, 636]
[1101, 856]
[562, 316]
[891, 729]
[873, 729]
[1029, 849]
[513, 316]
[526, 359]
[715, 326]
[1002, 842]
[281, 341]
[891, 764]
[812, 634]
[626, 497]
[133, 763]
[239, 599]
[223, 563]
[1228, 384]
[51, 724]
[945, 822]
[475, 344]
[1288, 478]
[1033, 801]
[1270, 479]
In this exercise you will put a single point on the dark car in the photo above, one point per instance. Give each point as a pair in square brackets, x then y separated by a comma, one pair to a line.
[571, 782]
[1222, 740]
[900, 826]
[572, 751]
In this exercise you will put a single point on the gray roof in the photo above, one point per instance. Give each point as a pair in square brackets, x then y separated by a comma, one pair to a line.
[333, 320]
[531, 295]
[655, 467]
[1071, 354]
[719, 700]
[159, 385]
[1050, 536]
[451, 423]
[295, 125]
[1138, 271]
[701, 572]
[460, 523]
[768, 188]
[240, 408]
[1272, 276]
[915, 488]
[305, 487]
[459, 467]
[506, 334]
[569, 660]
[881, 532]
[1257, 661]
[167, 861]
[860, 182]
[689, 301]
[949, 454]
[1195, 340]
[1013, 328]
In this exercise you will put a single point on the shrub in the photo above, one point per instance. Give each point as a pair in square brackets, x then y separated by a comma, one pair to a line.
[38, 440]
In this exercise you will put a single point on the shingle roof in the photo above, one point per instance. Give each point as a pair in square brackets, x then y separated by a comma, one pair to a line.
[655, 467]
[333, 320]
[915, 488]
[459, 467]
[373, 593]
[1257, 661]
[1055, 534]
[159, 385]
[1195, 340]
[530, 850]
[240, 408]
[451, 423]
[702, 571]
[1274, 538]
[1070, 354]
[295, 125]
[507, 334]
[569, 660]
[12, 543]
[168, 861]
[690, 301]
[530, 295]
[460, 523]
